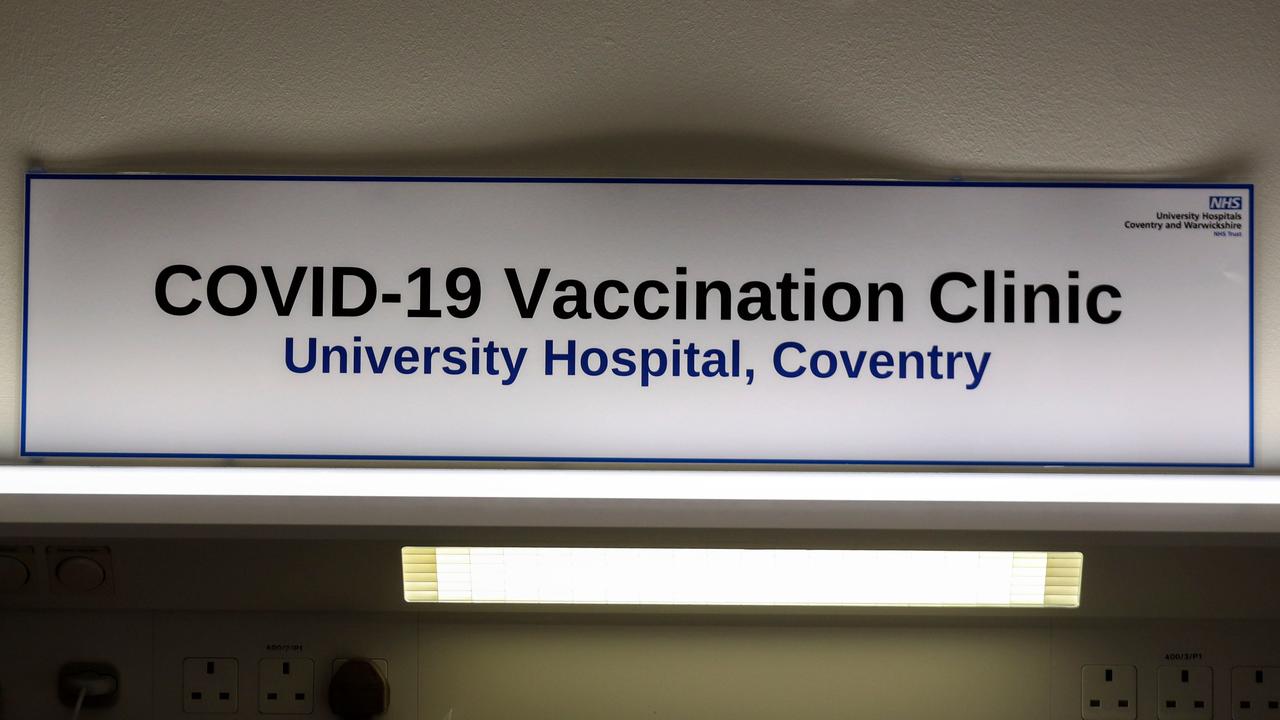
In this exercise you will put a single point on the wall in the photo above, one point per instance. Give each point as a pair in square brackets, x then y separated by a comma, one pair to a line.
[850, 89]
[461, 670]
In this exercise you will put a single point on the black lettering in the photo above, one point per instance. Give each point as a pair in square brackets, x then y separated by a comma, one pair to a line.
[1091, 304]
[601, 290]
[162, 287]
[527, 306]
[935, 297]
[283, 305]
[340, 275]
[215, 284]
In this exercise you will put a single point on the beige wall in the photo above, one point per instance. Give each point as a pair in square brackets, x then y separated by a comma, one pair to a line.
[1168, 90]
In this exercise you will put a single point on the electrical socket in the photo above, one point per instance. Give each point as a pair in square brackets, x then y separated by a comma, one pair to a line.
[286, 686]
[1184, 693]
[1255, 693]
[210, 685]
[1109, 692]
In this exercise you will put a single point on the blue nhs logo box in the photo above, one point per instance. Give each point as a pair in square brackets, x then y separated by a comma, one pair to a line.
[1226, 202]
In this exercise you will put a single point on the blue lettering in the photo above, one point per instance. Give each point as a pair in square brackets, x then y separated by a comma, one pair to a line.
[311, 356]
[777, 359]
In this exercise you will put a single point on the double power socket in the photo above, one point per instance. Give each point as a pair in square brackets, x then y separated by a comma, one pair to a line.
[286, 686]
[1110, 692]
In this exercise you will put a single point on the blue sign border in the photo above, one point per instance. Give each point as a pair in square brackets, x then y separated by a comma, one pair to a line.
[26, 246]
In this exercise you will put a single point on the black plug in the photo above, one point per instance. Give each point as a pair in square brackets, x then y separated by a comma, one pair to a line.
[359, 690]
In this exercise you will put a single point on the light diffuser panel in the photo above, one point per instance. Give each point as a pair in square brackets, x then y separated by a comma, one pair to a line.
[698, 576]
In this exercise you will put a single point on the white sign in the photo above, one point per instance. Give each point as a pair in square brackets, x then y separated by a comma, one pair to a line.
[620, 321]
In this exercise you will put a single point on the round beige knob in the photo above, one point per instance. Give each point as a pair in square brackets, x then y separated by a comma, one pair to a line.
[81, 574]
[13, 573]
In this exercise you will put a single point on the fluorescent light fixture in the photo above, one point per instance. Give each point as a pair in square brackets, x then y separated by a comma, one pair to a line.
[1011, 487]
[691, 576]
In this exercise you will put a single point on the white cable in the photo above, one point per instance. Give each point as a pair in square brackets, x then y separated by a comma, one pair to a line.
[84, 690]
[90, 683]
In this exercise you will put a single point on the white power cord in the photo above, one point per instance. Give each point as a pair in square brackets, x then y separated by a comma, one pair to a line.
[79, 703]
[90, 684]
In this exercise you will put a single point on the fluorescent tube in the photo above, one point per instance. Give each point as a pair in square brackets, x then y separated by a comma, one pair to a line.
[1011, 487]
[694, 576]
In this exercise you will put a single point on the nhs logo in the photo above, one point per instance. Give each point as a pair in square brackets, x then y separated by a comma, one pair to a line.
[1226, 202]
